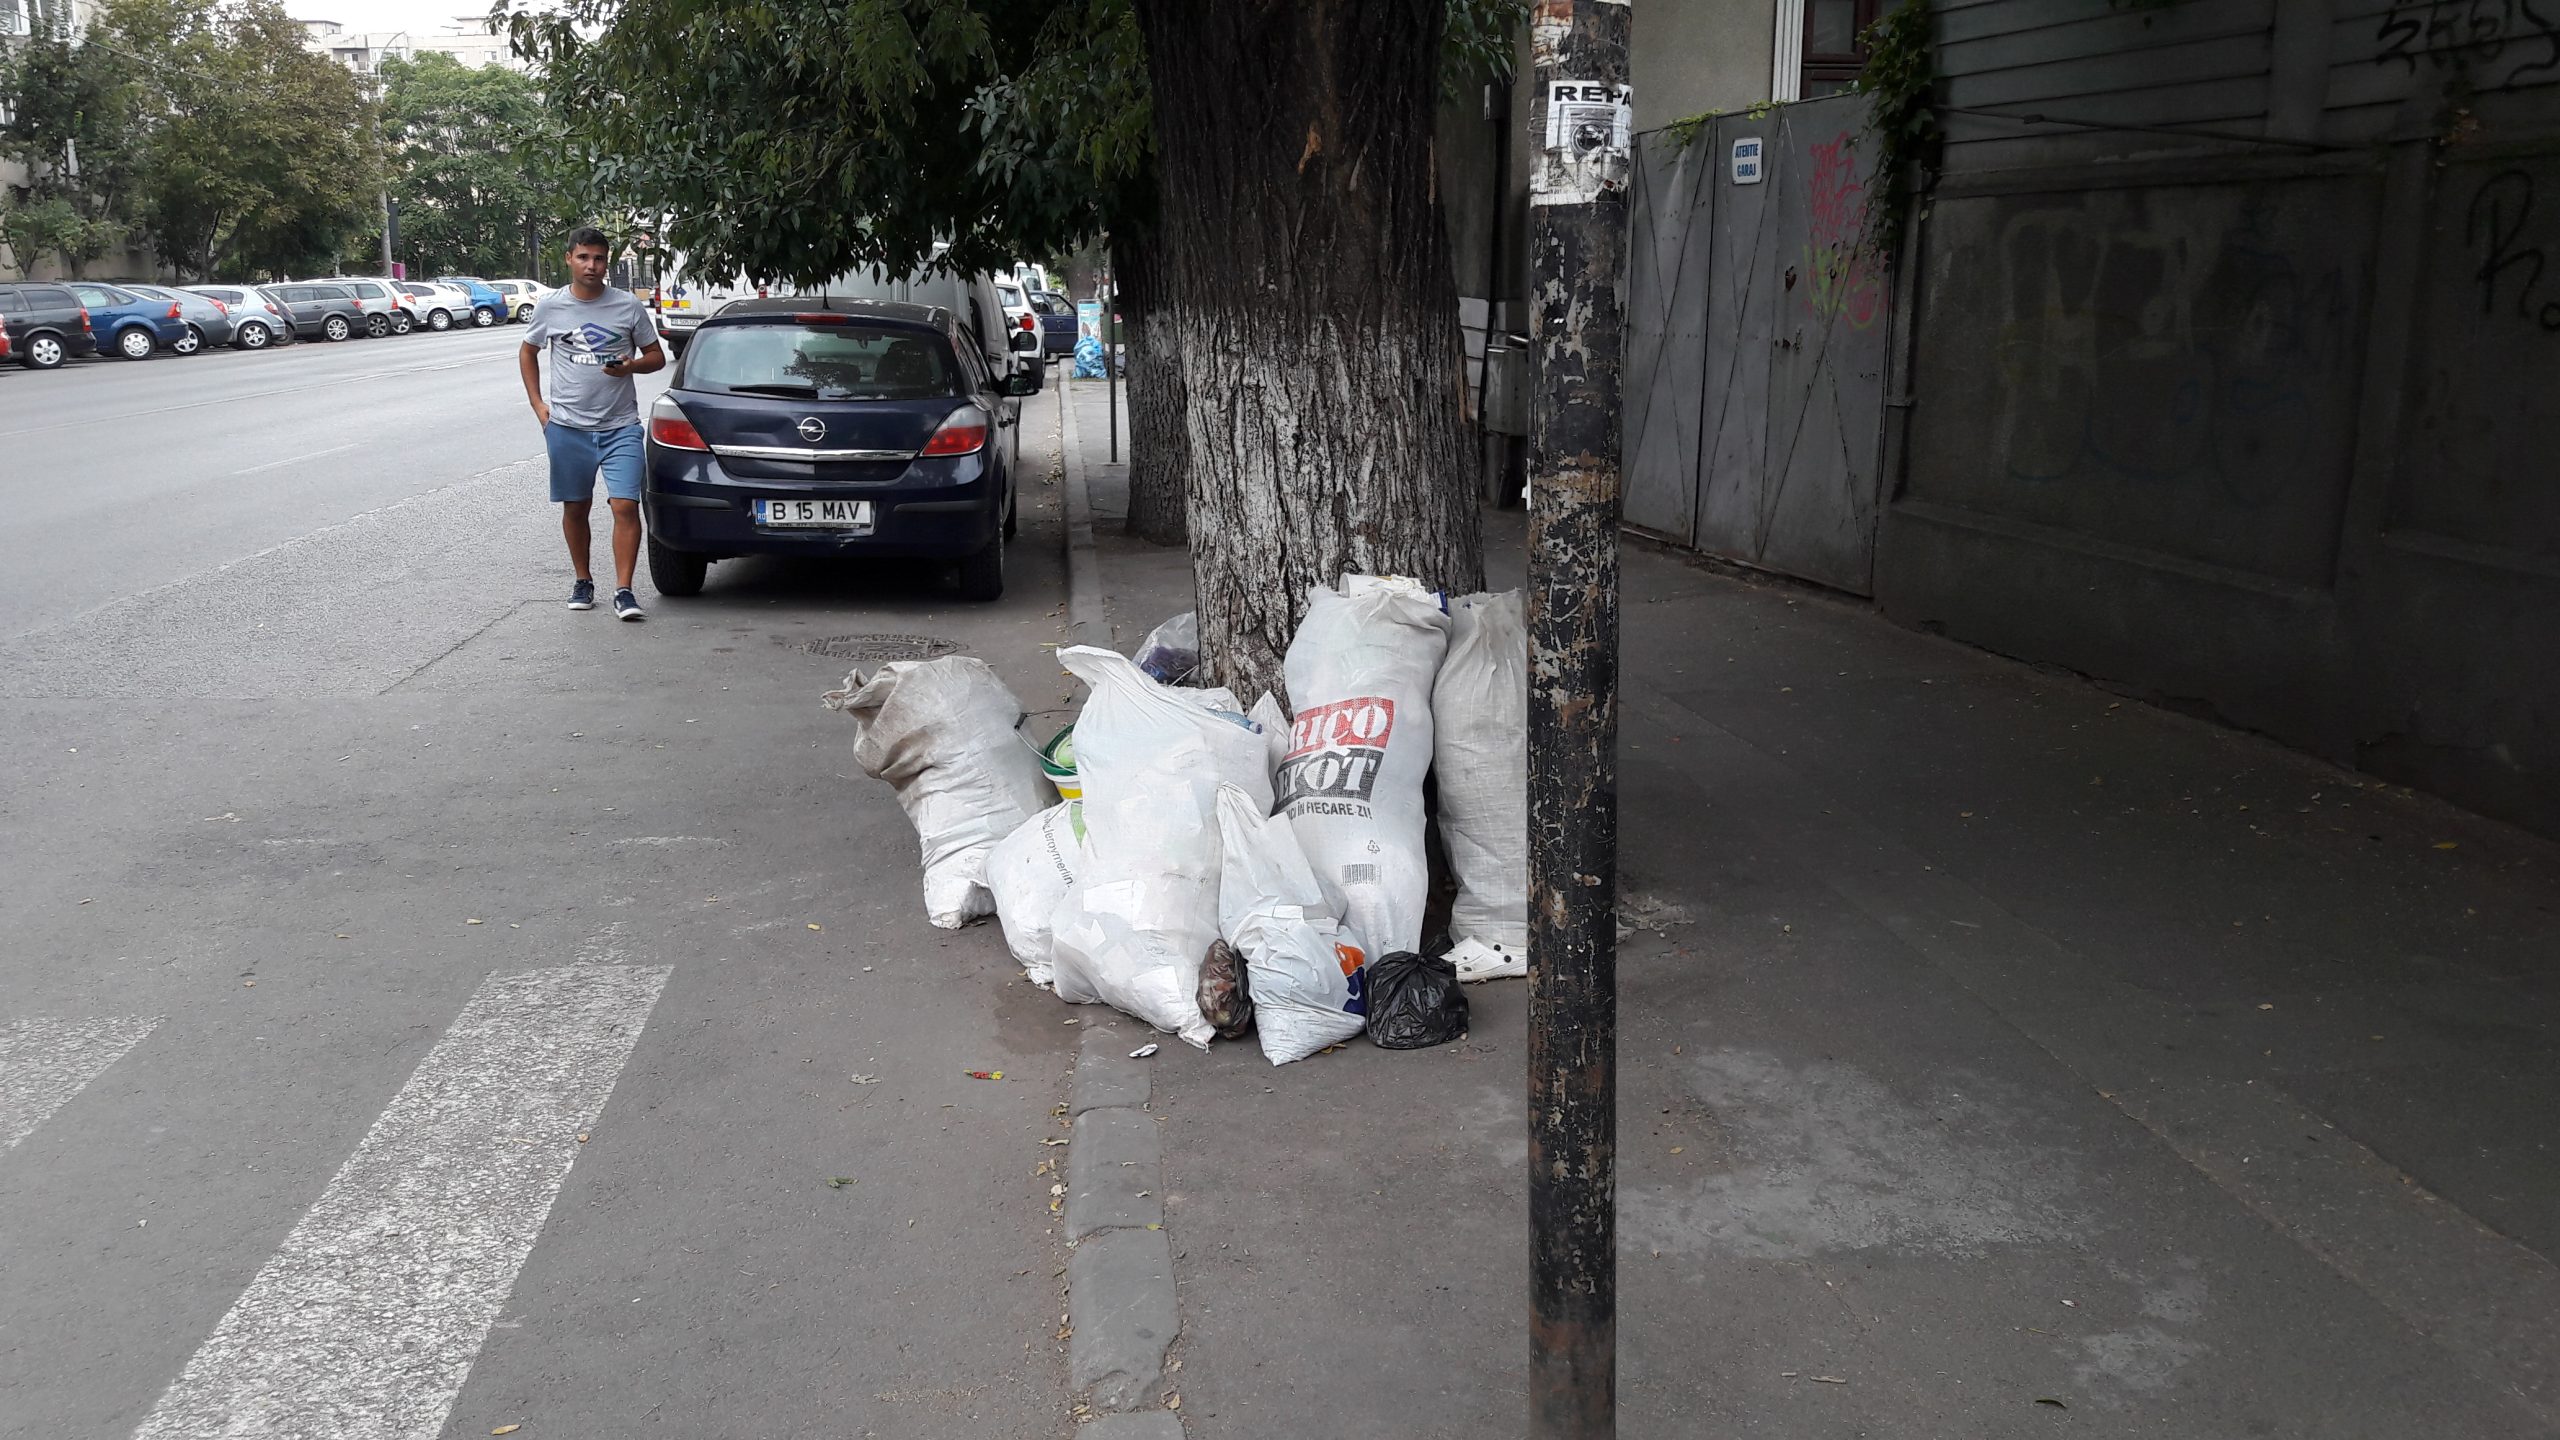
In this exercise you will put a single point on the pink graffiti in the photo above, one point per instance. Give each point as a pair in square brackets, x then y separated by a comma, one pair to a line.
[1836, 262]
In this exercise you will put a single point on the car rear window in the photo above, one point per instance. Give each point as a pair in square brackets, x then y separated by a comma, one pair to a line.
[828, 362]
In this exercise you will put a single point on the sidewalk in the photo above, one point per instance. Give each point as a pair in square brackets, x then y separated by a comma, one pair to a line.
[2008, 1060]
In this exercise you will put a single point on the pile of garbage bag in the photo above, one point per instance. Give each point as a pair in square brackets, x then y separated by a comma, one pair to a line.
[1219, 872]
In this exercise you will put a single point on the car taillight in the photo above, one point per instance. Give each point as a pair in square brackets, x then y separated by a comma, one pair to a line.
[84, 317]
[821, 317]
[1030, 324]
[963, 434]
[669, 427]
[220, 308]
[173, 309]
[655, 299]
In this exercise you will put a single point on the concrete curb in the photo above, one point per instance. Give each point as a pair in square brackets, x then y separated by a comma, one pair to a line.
[1087, 622]
[1121, 1308]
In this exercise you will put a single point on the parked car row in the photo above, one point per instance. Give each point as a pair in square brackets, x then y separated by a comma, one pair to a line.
[45, 323]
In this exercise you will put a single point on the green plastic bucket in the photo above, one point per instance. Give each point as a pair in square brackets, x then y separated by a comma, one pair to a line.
[1058, 761]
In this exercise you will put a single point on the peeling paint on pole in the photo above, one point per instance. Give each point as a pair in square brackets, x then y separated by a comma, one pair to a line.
[1577, 247]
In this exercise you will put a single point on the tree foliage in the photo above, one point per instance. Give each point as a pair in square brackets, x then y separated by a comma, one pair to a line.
[74, 120]
[795, 140]
[478, 168]
[200, 127]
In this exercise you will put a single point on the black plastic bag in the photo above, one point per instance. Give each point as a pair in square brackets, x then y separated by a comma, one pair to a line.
[1414, 1002]
[1226, 992]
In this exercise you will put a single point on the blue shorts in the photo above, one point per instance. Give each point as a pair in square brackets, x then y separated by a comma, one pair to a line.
[576, 456]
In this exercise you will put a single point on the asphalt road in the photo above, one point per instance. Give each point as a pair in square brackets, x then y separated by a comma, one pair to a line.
[123, 476]
[426, 1009]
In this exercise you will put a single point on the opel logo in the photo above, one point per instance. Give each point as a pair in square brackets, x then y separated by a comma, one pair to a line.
[813, 429]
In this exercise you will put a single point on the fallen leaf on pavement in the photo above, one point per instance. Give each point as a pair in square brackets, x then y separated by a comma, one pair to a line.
[838, 1182]
[2448, 844]
[474, 922]
[864, 1079]
[1826, 1380]
[2049, 1400]
[986, 1074]
[506, 1430]
[817, 927]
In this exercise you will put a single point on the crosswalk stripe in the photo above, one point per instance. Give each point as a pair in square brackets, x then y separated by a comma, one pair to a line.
[364, 1323]
[43, 1063]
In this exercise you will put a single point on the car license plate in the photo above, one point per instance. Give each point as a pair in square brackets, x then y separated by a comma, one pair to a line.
[815, 514]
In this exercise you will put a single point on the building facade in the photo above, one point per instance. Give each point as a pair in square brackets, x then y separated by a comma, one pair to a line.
[2213, 364]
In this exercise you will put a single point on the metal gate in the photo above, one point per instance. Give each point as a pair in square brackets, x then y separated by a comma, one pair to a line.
[1758, 329]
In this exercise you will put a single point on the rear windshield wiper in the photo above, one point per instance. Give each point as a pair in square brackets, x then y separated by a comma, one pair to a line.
[808, 391]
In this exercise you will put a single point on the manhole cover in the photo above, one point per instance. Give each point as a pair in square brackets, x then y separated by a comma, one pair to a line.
[880, 647]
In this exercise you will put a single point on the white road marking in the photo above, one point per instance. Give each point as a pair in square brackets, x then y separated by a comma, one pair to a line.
[298, 459]
[43, 1063]
[365, 1322]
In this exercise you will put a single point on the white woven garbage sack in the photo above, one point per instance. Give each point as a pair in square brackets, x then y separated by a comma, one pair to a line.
[1030, 872]
[1305, 973]
[1359, 671]
[1151, 759]
[1274, 720]
[1480, 752]
[941, 733]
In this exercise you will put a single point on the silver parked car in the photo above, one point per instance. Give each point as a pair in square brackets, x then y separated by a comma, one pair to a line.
[257, 321]
[438, 307]
[208, 320]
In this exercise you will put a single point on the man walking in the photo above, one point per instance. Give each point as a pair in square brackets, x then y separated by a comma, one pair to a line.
[598, 339]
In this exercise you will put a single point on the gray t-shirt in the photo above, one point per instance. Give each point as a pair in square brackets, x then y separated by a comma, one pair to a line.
[582, 337]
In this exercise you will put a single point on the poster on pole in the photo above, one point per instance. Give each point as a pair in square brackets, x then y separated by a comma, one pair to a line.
[1588, 141]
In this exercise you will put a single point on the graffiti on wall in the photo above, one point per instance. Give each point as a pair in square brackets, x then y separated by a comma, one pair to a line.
[2510, 269]
[1837, 264]
[2172, 352]
[2472, 35]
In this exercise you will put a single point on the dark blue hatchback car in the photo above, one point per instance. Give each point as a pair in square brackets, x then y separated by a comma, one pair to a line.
[129, 324]
[834, 428]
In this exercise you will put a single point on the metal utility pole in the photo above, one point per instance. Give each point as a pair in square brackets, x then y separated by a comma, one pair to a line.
[1111, 364]
[1579, 132]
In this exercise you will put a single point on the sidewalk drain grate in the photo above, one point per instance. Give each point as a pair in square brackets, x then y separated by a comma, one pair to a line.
[880, 647]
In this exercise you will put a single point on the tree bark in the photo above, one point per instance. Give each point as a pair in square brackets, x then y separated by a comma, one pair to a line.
[1159, 442]
[1307, 304]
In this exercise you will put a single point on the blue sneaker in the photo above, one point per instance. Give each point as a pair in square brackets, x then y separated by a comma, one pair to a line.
[582, 596]
[627, 606]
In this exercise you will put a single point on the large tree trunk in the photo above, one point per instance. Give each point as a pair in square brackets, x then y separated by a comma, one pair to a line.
[1159, 442]
[1307, 303]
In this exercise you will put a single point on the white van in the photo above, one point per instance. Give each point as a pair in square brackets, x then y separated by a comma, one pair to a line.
[974, 300]
[682, 300]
